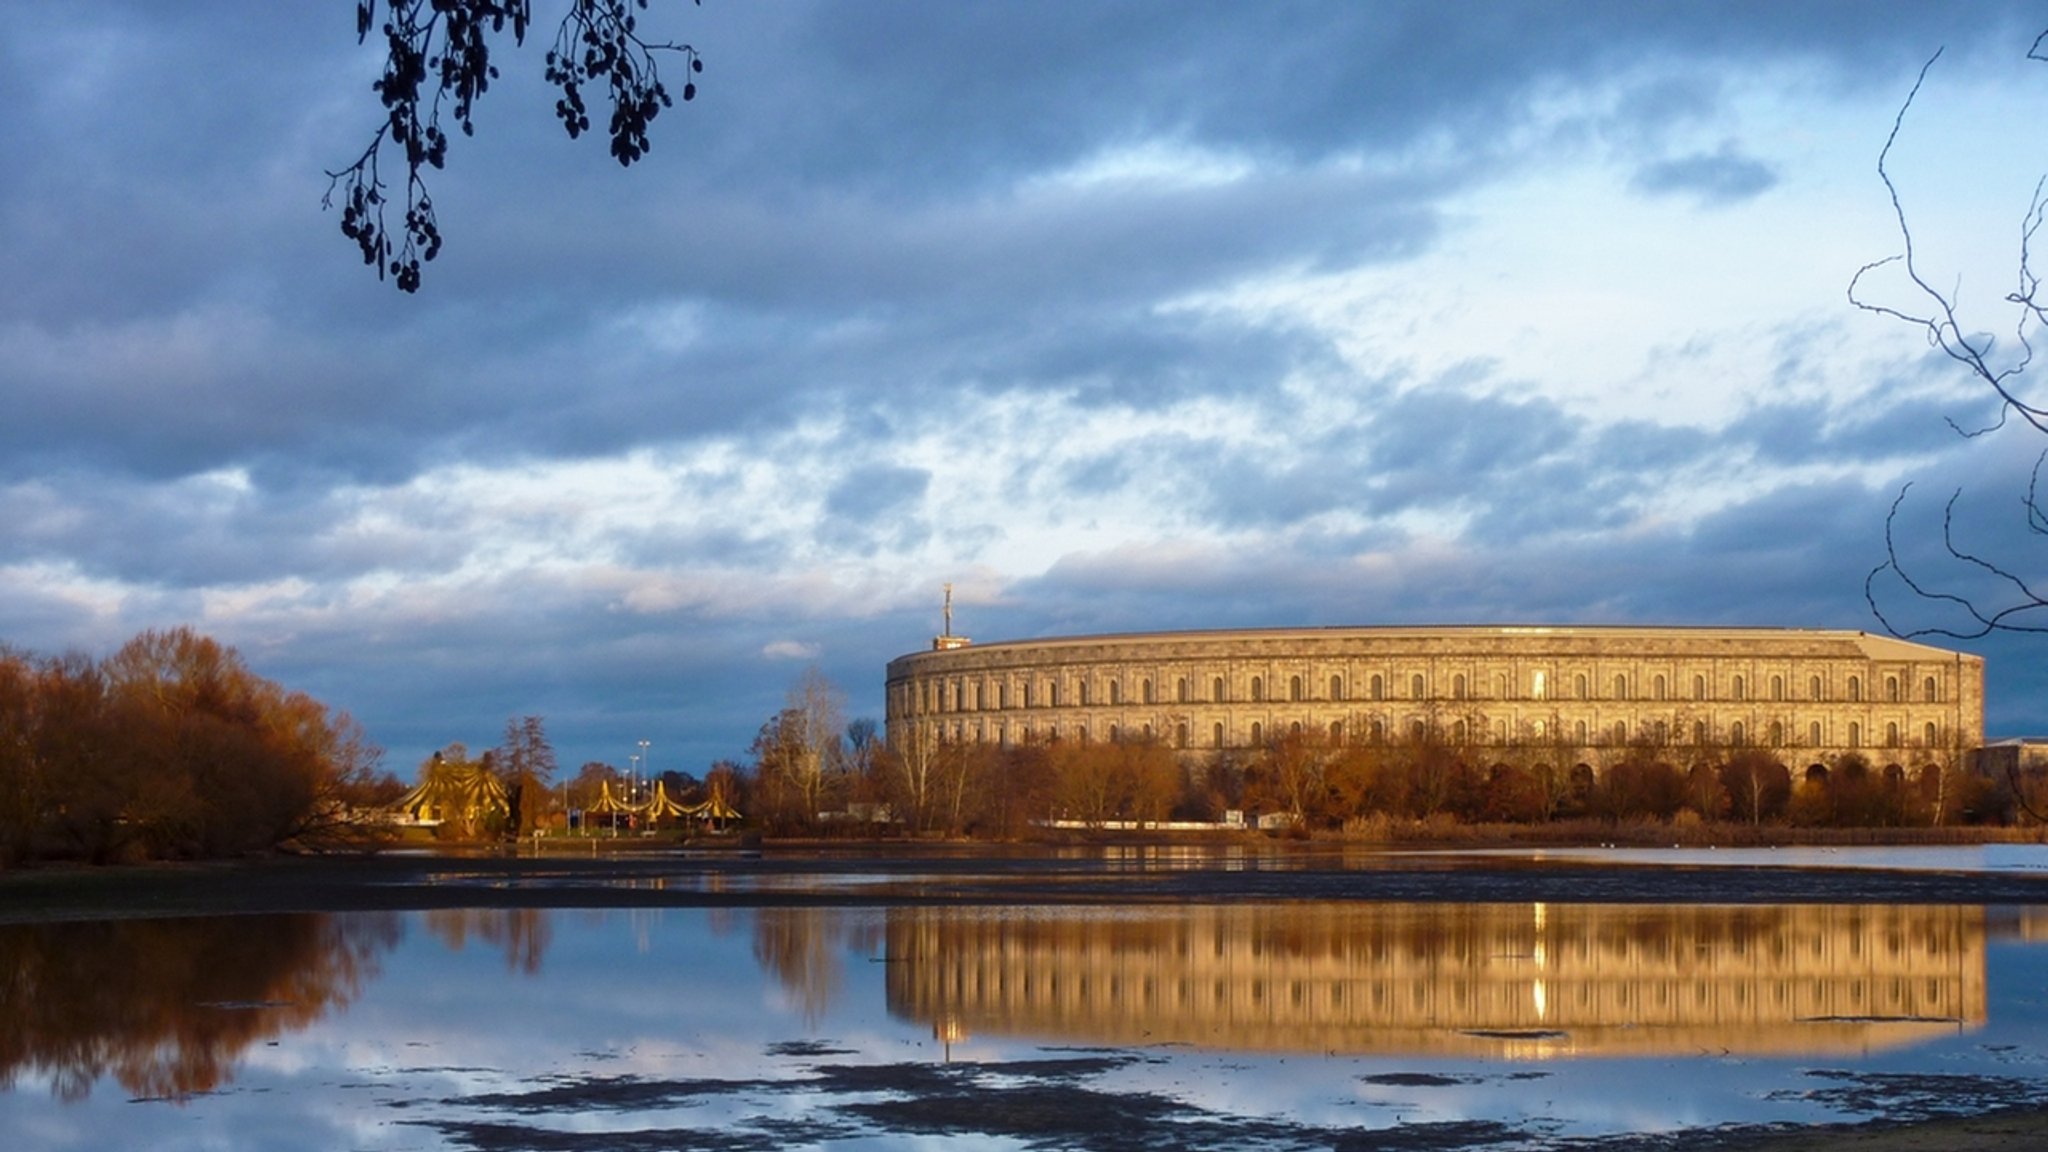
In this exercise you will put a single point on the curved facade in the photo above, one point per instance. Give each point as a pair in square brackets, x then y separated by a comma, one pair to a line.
[1810, 693]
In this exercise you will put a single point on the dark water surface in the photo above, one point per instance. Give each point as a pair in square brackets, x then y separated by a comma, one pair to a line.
[1216, 1024]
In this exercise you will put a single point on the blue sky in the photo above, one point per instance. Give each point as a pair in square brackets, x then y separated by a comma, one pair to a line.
[1122, 316]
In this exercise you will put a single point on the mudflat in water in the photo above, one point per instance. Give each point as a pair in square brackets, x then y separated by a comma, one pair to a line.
[1103, 998]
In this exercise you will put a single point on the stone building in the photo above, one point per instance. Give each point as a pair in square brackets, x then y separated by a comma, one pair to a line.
[1805, 694]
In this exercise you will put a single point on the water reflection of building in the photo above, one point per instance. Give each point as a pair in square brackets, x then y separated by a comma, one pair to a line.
[1523, 981]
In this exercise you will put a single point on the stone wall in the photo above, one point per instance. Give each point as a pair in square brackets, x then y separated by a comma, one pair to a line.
[1804, 694]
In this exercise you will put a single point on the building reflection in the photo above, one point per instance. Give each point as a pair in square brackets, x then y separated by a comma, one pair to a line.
[1516, 981]
[167, 1007]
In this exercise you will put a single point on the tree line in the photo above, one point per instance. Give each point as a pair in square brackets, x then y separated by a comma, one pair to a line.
[171, 748]
[812, 771]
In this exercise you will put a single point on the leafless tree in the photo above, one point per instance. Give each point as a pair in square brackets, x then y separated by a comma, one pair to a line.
[1982, 594]
[1989, 595]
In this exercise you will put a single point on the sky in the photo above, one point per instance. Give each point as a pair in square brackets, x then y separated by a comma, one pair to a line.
[1116, 317]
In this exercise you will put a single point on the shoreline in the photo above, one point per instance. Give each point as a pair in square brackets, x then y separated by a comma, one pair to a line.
[837, 875]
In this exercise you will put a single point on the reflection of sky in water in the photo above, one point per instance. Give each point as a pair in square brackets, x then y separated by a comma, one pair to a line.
[476, 1003]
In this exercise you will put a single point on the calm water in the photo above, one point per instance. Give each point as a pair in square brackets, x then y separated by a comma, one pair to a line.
[1278, 1025]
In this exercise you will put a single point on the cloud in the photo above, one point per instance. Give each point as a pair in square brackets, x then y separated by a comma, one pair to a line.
[790, 650]
[1330, 313]
[1715, 179]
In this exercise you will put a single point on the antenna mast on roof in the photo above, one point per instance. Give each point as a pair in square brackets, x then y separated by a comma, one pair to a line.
[946, 639]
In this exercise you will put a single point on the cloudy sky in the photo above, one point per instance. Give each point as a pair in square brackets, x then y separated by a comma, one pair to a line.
[1117, 316]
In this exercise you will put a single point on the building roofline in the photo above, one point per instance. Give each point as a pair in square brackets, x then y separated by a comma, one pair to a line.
[1906, 648]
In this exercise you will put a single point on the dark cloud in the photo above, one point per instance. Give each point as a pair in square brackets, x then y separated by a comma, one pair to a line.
[1713, 178]
[877, 505]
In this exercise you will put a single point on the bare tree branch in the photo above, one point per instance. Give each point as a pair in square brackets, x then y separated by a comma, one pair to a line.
[1992, 596]
[439, 51]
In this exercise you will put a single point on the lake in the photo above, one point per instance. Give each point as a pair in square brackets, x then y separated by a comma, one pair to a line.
[866, 1025]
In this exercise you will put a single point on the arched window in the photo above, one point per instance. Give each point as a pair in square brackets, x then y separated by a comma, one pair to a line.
[1813, 690]
[1506, 686]
[1294, 688]
[1181, 690]
[1180, 736]
[1741, 689]
[1458, 686]
[1458, 732]
[1378, 730]
[1222, 693]
[1081, 731]
[1661, 689]
[1579, 685]
[1777, 687]
[1856, 689]
[1777, 734]
[1699, 687]
[1891, 734]
[1929, 690]
[1659, 732]
[1932, 737]
[1536, 683]
[1116, 734]
[1379, 687]
[1579, 733]
[1294, 729]
[1855, 733]
[1258, 691]
[1813, 735]
[1116, 692]
[1699, 733]
[1621, 731]
[1216, 735]
[1891, 689]
[1336, 687]
[1258, 734]
[1052, 693]
[1003, 694]
[1621, 687]
[1736, 734]
[1418, 730]
[1084, 693]
[1336, 732]
[1416, 687]
[1145, 691]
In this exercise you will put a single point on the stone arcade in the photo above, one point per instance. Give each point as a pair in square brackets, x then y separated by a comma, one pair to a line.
[1805, 694]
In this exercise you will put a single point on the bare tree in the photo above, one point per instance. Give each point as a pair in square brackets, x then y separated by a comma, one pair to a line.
[800, 754]
[439, 52]
[1988, 595]
[1983, 594]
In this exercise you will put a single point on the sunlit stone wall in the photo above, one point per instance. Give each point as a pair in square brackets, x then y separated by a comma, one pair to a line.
[1809, 693]
[1516, 980]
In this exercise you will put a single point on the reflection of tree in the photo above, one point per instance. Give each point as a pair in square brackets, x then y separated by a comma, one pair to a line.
[799, 947]
[166, 1007]
[522, 934]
